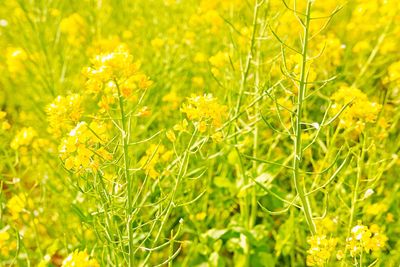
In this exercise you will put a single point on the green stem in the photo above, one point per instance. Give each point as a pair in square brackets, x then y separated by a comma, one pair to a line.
[244, 205]
[254, 205]
[125, 142]
[298, 183]
[249, 56]
[171, 205]
[355, 194]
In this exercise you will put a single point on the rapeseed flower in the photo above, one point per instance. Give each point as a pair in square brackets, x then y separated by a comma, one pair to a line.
[79, 259]
[320, 250]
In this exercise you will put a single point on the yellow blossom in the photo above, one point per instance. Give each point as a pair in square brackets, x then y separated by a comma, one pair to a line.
[6, 245]
[15, 59]
[393, 74]
[157, 42]
[205, 109]
[79, 259]
[364, 238]
[17, 204]
[63, 113]
[219, 60]
[5, 125]
[82, 149]
[115, 73]
[359, 111]
[23, 138]
[320, 250]
[74, 27]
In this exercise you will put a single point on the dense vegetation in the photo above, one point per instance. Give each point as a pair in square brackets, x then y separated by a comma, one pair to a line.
[200, 133]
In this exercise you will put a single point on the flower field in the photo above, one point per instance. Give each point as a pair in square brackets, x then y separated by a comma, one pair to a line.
[200, 133]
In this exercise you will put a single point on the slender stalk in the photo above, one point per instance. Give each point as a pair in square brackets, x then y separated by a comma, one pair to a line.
[245, 205]
[353, 208]
[250, 54]
[254, 205]
[171, 205]
[125, 144]
[298, 181]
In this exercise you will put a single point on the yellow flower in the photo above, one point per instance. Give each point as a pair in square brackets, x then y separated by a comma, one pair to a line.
[202, 126]
[219, 60]
[157, 43]
[359, 111]
[63, 113]
[366, 239]
[320, 250]
[5, 245]
[393, 73]
[74, 27]
[82, 149]
[214, 20]
[205, 109]
[79, 259]
[105, 102]
[111, 66]
[15, 59]
[23, 138]
[5, 125]
[112, 71]
[199, 58]
[17, 205]
[69, 163]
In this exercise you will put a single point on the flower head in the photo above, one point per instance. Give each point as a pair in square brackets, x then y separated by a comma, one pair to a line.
[79, 259]
[204, 111]
[63, 113]
[320, 250]
[364, 238]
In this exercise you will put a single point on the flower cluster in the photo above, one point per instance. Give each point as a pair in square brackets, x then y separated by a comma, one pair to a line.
[364, 238]
[320, 250]
[63, 113]
[205, 112]
[23, 138]
[217, 62]
[15, 59]
[114, 74]
[5, 245]
[83, 149]
[210, 18]
[155, 155]
[393, 75]
[359, 111]
[74, 27]
[18, 205]
[5, 125]
[79, 259]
